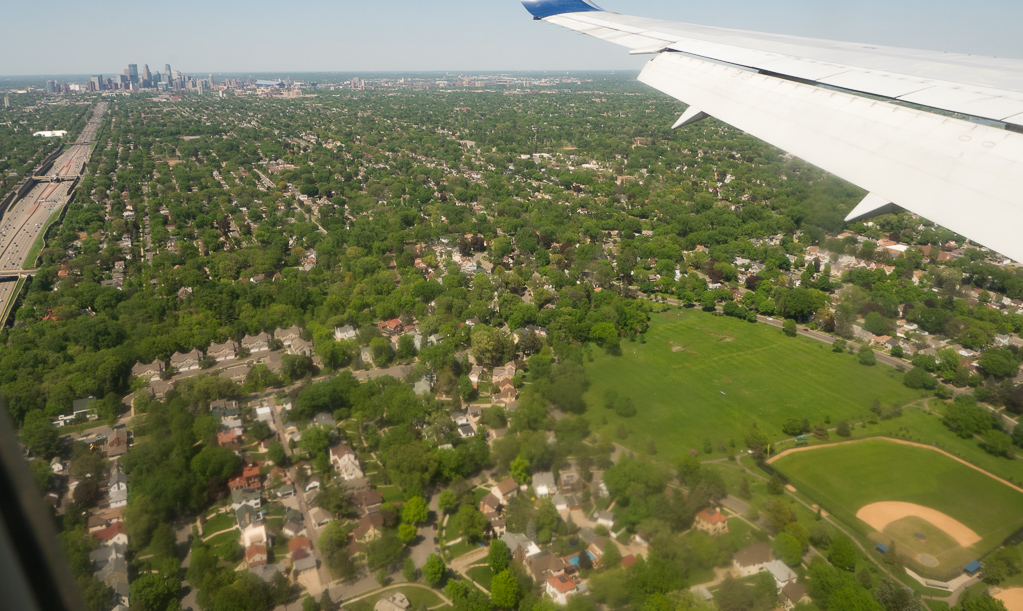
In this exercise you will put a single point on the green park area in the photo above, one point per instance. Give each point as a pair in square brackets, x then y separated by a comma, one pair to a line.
[845, 478]
[701, 378]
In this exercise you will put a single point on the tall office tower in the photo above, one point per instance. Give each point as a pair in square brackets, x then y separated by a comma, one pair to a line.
[133, 73]
[51, 86]
[167, 70]
[7, 102]
[97, 82]
[147, 76]
[211, 81]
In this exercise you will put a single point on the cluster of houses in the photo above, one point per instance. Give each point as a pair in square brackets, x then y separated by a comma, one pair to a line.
[233, 360]
[251, 491]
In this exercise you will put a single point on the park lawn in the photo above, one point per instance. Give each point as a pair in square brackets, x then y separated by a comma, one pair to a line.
[222, 521]
[391, 494]
[917, 425]
[224, 537]
[416, 596]
[844, 478]
[459, 549]
[701, 377]
[481, 575]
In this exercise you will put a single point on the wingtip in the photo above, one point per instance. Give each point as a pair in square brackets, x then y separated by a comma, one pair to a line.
[541, 9]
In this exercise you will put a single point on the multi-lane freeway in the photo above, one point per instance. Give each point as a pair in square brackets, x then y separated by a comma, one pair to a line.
[25, 219]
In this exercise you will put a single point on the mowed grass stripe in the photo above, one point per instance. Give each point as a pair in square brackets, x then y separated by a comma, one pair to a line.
[765, 376]
[847, 477]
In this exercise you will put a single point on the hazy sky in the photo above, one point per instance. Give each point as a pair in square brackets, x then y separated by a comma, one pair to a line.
[103, 36]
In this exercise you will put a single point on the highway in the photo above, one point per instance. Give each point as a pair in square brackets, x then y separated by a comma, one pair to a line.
[25, 219]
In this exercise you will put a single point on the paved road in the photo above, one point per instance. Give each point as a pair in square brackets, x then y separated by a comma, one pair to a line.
[26, 218]
[303, 506]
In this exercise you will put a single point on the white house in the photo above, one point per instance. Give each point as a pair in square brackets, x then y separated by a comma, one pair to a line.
[343, 459]
[751, 560]
[543, 484]
[782, 574]
[560, 588]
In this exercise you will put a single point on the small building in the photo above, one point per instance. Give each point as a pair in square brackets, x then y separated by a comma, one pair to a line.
[560, 588]
[319, 517]
[972, 568]
[256, 343]
[605, 518]
[117, 443]
[186, 361]
[149, 371]
[393, 602]
[221, 352]
[543, 484]
[289, 335]
[751, 560]
[505, 490]
[782, 574]
[793, 594]
[343, 458]
[711, 521]
[344, 333]
[255, 555]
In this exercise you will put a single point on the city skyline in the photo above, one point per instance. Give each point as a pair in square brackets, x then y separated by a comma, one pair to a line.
[449, 35]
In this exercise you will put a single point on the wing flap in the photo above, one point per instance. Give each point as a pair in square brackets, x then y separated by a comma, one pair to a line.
[965, 176]
[983, 87]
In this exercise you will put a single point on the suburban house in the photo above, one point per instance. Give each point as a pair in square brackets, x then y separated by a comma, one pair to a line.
[543, 484]
[255, 555]
[369, 528]
[301, 347]
[560, 588]
[117, 487]
[249, 479]
[489, 505]
[711, 521]
[520, 546]
[751, 560]
[320, 517]
[569, 480]
[794, 593]
[289, 335]
[782, 574]
[343, 459]
[604, 518]
[293, 529]
[544, 566]
[391, 327]
[299, 547]
[256, 343]
[369, 501]
[504, 491]
[151, 371]
[117, 443]
[112, 535]
[597, 486]
[187, 361]
[241, 496]
[221, 352]
[474, 375]
[346, 332]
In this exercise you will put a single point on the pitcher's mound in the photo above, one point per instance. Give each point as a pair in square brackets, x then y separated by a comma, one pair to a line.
[927, 560]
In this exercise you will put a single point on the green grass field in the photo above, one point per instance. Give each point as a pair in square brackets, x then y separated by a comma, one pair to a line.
[842, 479]
[676, 380]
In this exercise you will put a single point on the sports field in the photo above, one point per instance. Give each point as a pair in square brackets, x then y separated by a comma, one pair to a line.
[700, 376]
[871, 484]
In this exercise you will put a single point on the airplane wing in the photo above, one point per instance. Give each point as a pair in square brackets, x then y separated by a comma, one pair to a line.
[938, 134]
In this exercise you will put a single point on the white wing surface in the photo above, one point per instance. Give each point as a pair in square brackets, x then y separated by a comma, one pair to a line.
[938, 134]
